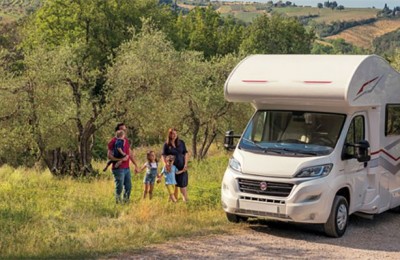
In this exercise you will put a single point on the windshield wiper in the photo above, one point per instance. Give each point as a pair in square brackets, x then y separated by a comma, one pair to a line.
[296, 151]
[264, 149]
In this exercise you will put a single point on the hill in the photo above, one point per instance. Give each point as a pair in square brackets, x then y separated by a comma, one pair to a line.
[11, 10]
[364, 35]
[320, 15]
[357, 26]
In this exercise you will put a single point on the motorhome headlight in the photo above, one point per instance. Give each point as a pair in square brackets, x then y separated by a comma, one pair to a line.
[315, 171]
[235, 164]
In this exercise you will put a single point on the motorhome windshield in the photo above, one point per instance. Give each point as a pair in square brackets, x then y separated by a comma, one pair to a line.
[292, 133]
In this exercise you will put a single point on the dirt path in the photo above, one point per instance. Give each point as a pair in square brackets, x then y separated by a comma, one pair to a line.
[364, 239]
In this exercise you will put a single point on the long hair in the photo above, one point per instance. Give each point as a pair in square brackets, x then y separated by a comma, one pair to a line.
[169, 139]
[148, 156]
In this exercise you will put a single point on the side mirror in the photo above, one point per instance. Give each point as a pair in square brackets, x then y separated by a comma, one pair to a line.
[362, 151]
[228, 140]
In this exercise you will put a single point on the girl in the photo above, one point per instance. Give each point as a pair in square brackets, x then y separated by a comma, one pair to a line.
[169, 171]
[151, 174]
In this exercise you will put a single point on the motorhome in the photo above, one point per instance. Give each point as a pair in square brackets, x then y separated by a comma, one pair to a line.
[323, 143]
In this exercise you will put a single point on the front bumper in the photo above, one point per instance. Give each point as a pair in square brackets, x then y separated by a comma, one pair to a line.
[308, 201]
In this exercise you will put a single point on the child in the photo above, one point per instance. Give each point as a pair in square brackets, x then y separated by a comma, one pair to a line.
[151, 174]
[118, 151]
[169, 171]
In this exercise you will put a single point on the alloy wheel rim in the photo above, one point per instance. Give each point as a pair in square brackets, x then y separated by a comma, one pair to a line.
[341, 218]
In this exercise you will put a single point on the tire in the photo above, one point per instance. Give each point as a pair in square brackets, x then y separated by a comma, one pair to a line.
[235, 218]
[396, 209]
[338, 218]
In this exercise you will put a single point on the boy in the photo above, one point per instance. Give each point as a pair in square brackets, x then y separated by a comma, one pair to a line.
[118, 151]
[169, 171]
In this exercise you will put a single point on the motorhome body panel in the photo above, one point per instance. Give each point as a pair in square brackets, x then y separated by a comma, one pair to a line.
[326, 80]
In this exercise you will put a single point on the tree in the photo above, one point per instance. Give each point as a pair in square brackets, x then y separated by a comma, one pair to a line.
[173, 89]
[319, 5]
[87, 33]
[395, 61]
[204, 30]
[40, 95]
[276, 35]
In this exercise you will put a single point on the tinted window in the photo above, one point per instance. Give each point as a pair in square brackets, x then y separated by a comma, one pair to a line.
[355, 134]
[392, 124]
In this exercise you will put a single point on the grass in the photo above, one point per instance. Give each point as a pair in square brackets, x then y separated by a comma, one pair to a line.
[45, 217]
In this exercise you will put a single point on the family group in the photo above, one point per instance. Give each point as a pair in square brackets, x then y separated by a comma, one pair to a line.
[174, 158]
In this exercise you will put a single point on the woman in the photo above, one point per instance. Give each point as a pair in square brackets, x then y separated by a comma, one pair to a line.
[176, 147]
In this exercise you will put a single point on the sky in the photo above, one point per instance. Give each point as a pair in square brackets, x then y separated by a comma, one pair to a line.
[346, 3]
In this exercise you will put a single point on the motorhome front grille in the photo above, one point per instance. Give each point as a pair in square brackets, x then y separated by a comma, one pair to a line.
[267, 188]
[262, 214]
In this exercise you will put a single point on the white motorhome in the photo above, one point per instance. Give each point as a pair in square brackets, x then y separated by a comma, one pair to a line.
[323, 143]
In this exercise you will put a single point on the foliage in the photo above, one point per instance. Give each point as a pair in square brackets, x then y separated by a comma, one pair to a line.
[387, 44]
[45, 217]
[336, 46]
[81, 37]
[171, 89]
[395, 60]
[324, 30]
[205, 30]
[275, 35]
[78, 70]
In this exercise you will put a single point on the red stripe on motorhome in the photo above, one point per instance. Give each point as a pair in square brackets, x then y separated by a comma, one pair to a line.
[254, 81]
[388, 154]
[317, 82]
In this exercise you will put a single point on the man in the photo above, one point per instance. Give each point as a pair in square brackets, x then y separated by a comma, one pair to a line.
[122, 174]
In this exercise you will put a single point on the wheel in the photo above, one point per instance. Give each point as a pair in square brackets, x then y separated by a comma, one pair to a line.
[338, 219]
[235, 218]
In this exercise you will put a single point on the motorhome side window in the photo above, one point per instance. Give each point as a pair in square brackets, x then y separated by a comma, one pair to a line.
[392, 126]
[355, 134]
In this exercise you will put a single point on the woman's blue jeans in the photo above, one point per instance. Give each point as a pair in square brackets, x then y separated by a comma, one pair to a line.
[123, 181]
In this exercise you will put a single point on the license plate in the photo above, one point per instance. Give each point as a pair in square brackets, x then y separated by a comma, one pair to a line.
[258, 206]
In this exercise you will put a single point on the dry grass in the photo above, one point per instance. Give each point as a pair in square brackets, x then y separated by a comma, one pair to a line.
[45, 217]
[363, 35]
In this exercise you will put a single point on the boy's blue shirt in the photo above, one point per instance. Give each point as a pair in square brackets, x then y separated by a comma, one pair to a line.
[170, 176]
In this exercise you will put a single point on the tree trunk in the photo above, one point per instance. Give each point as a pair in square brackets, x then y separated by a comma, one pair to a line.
[195, 128]
[76, 163]
[207, 142]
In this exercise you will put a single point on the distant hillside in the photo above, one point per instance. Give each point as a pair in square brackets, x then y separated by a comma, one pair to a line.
[364, 35]
[11, 10]
[387, 43]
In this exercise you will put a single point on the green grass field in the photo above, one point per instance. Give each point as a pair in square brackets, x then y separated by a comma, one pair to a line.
[45, 217]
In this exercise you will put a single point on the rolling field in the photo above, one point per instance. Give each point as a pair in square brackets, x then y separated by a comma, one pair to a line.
[328, 15]
[248, 12]
[363, 35]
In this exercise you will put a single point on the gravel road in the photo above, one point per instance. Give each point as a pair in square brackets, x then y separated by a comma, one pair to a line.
[364, 239]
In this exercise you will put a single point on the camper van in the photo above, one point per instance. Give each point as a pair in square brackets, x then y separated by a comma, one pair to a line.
[323, 143]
